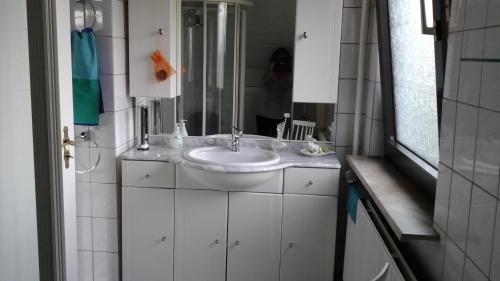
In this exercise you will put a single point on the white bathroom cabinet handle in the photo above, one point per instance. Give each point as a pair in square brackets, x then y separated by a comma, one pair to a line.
[381, 274]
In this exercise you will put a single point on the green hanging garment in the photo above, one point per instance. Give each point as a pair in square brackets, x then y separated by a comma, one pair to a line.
[87, 98]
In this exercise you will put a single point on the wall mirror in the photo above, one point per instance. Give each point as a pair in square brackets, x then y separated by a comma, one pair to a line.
[236, 68]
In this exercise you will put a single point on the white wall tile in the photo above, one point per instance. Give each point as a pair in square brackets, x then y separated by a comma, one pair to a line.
[367, 134]
[369, 95]
[85, 266]
[83, 199]
[373, 69]
[105, 235]
[465, 140]
[347, 96]
[112, 54]
[495, 257]
[84, 233]
[490, 86]
[457, 18]
[104, 134]
[459, 209]
[475, 15]
[453, 65]
[447, 138]
[348, 60]
[442, 200]
[470, 82]
[487, 162]
[352, 3]
[115, 93]
[106, 171]
[492, 43]
[351, 23]
[118, 18]
[13, 16]
[493, 12]
[377, 102]
[373, 35]
[481, 227]
[431, 253]
[82, 163]
[473, 44]
[453, 262]
[377, 139]
[106, 267]
[472, 273]
[124, 126]
[104, 200]
[342, 153]
[345, 129]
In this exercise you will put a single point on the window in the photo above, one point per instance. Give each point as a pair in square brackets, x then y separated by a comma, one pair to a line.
[412, 70]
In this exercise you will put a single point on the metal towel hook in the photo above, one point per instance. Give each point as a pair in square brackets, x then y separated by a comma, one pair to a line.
[84, 138]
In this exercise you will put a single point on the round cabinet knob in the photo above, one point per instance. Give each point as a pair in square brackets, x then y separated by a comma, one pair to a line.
[236, 243]
[291, 245]
[310, 183]
[217, 241]
[147, 176]
[305, 35]
[163, 239]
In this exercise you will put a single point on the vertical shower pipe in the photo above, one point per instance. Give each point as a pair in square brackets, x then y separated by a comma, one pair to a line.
[361, 76]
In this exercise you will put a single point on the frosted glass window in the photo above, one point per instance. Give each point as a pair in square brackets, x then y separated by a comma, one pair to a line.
[414, 81]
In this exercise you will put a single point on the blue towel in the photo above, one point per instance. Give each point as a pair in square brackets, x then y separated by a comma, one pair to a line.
[354, 193]
[87, 97]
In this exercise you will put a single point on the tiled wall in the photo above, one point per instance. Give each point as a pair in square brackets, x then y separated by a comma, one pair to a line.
[371, 142]
[97, 192]
[467, 212]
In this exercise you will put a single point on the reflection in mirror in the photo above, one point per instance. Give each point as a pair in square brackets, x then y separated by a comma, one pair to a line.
[237, 64]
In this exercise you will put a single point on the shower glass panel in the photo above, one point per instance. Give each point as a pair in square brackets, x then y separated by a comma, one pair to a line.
[220, 67]
[190, 103]
[211, 35]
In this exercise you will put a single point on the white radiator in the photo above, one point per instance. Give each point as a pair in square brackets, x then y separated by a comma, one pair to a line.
[367, 257]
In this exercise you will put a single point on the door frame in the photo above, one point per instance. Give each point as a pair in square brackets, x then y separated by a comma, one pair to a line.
[56, 261]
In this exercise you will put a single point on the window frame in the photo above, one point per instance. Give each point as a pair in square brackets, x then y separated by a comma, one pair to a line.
[409, 163]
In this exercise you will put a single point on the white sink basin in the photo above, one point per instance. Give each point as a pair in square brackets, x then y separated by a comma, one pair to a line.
[219, 155]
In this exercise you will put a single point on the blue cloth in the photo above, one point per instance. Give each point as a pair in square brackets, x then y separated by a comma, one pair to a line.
[354, 193]
[87, 97]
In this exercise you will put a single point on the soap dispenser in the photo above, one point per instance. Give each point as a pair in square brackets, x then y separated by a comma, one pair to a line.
[177, 137]
[184, 132]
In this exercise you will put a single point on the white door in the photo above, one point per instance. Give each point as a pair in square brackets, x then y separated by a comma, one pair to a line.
[18, 213]
[147, 233]
[200, 235]
[308, 247]
[254, 237]
[317, 51]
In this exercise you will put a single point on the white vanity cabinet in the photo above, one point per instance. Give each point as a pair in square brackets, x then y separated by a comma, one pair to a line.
[317, 51]
[147, 233]
[309, 228]
[200, 235]
[176, 228]
[254, 236]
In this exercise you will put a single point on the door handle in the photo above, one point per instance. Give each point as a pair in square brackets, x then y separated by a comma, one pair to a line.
[67, 142]
[381, 274]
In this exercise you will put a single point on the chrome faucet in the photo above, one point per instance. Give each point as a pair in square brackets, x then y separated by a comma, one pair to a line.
[237, 134]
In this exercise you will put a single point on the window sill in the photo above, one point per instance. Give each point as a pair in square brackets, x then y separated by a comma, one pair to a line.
[406, 210]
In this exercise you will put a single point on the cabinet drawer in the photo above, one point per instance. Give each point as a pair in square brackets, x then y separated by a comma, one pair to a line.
[148, 174]
[312, 181]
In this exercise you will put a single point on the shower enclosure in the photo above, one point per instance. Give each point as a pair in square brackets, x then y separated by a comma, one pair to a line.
[213, 43]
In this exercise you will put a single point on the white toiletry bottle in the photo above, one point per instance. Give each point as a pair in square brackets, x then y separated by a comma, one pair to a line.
[184, 132]
[177, 137]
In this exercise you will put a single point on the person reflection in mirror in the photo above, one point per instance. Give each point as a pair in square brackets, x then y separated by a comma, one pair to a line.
[278, 83]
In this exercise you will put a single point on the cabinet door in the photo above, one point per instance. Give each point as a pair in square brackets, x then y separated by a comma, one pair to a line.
[254, 237]
[308, 247]
[317, 51]
[200, 235]
[145, 19]
[148, 234]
